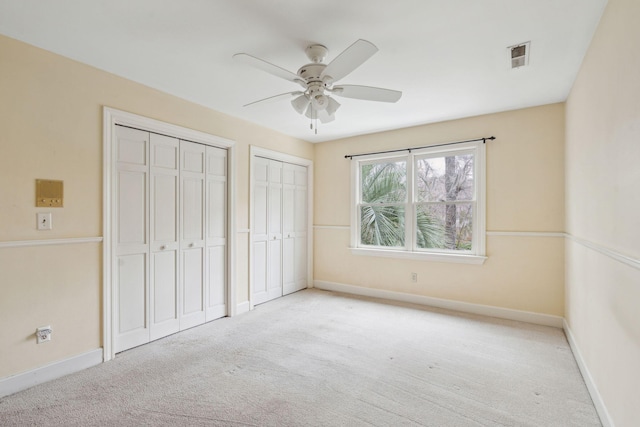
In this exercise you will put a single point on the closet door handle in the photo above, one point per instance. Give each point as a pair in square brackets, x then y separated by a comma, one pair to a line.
[163, 247]
[190, 245]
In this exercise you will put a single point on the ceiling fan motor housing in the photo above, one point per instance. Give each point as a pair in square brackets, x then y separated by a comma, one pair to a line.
[312, 72]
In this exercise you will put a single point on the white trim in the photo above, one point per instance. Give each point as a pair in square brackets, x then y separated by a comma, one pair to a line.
[277, 155]
[488, 233]
[631, 262]
[111, 117]
[243, 307]
[465, 307]
[243, 230]
[231, 226]
[108, 133]
[48, 242]
[176, 131]
[422, 256]
[526, 233]
[255, 151]
[23, 381]
[601, 408]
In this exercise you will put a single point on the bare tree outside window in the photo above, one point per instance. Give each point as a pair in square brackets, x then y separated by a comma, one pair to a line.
[447, 179]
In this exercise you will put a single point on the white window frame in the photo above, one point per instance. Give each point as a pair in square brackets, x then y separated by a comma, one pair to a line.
[475, 256]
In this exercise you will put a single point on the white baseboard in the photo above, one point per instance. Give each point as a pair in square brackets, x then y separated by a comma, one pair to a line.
[243, 307]
[19, 382]
[485, 310]
[605, 418]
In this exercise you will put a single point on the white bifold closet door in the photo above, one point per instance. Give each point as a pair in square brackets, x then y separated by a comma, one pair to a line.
[170, 228]
[294, 228]
[279, 229]
[216, 238]
[164, 247]
[192, 178]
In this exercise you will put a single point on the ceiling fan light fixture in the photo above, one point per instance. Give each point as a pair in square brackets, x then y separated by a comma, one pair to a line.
[333, 106]
[320, 102]
[300, 103]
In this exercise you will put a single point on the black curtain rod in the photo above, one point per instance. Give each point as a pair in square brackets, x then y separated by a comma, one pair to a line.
[484, 141]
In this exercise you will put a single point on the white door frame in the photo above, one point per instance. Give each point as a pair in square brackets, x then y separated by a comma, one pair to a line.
[111, 118]
[254, 152]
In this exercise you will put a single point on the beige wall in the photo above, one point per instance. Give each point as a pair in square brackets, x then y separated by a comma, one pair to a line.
[51, 122]
[603, 208]
[525, 193]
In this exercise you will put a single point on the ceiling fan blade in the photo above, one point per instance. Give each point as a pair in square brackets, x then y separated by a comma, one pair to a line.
[266, 66]
[367, 93]
[274, 98]
[350, 59]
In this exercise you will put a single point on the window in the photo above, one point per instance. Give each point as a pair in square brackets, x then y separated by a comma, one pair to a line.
[424, 204]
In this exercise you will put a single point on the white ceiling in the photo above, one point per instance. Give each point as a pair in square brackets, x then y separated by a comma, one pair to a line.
[449, 58]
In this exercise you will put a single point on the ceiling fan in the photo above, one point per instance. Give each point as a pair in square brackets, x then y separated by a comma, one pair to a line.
[317, 79]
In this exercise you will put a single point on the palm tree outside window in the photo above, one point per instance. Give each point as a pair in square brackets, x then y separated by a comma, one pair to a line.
[429, 200]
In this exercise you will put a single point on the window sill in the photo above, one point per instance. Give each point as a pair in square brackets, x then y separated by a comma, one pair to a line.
[421, 256]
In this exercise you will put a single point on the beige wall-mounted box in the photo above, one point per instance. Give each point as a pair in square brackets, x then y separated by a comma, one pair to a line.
[49, 193]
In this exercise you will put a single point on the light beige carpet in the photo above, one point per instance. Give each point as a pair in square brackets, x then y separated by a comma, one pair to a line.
[318, 358]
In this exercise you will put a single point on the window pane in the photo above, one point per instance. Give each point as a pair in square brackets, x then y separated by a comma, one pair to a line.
[444, 226]
[441, 179]
[382, 225]
[383, 182]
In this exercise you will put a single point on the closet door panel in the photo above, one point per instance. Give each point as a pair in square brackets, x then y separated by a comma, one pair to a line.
[132, 293]
[259, 272]
[288, 266]
[300, 262]
[192, 234]
[192, 207]
[301, 227]
[165, 199]
[216, 233]
[275, 199]
[217, 297]
[192, 281]
[130, 270]
[274, 284]
[164, 288]
[216, 210]
[260, 230]
[132, 208]
[288, 228]
[260, 221]
[274, 215]
[164, 298]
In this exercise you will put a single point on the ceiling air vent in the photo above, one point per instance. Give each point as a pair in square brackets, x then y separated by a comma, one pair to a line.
[519, 54]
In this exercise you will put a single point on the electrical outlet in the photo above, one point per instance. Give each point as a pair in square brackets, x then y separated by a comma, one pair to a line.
[43, 334]
[414, 277]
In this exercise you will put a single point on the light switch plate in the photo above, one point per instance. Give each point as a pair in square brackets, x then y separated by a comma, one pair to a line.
[44, 221]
